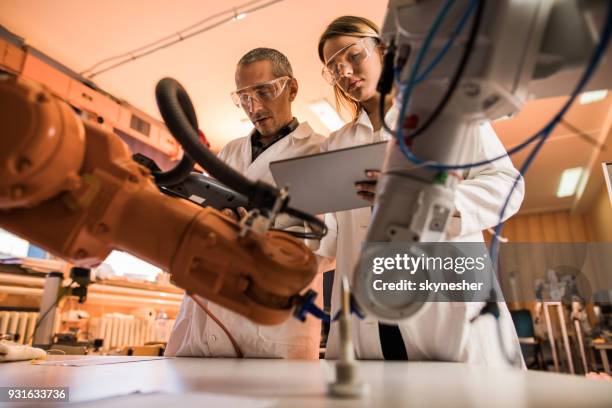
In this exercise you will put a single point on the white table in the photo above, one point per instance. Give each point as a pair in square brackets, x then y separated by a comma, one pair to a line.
[303, 384]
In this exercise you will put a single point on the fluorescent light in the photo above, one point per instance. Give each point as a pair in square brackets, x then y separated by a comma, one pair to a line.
[593, 96]
[327, 114]
[569, 182]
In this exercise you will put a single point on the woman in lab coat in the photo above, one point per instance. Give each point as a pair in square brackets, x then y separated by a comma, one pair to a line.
[352, 56]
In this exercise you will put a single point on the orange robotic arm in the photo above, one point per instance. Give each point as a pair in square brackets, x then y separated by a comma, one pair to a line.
[71, 187]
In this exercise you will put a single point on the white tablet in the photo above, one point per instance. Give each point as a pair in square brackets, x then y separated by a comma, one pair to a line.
[325, 182]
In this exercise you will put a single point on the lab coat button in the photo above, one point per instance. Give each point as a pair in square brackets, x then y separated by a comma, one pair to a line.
[213, 337]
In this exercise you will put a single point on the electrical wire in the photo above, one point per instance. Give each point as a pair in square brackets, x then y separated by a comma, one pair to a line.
[454, 83]
[132, 57]
[206, 310]
[60, 295]
[547, 130]
[545, 133]
[449, 43]
[541, 136]
[319, 228]
[172, 100]
[184, 167]
[434, 62]
[179, 34]
[416, 67]
[452, 87]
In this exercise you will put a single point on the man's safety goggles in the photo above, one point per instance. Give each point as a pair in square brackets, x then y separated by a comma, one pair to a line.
[262, 92]
[350, 56]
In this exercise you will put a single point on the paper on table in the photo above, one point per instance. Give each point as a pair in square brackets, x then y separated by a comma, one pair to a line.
[87, 361]
[189, 399]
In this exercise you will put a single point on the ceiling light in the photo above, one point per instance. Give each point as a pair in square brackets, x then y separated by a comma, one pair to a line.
[327, 114]
[593, 96]
[569, 182]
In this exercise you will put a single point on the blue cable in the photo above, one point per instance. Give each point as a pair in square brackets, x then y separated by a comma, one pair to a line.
[598, 53]
[449, 43]
[417, 65]
[540, 134]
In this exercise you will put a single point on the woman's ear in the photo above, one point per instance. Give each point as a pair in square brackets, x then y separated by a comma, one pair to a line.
[293, 89]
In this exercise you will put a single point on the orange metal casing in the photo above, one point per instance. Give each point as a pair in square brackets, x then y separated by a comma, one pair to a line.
[72, 188]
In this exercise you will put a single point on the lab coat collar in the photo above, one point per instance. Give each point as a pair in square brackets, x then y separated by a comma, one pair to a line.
[390, 118]
[364, 120]
[301, 132]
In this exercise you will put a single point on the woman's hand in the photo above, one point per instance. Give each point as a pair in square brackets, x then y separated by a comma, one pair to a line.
[366, 189]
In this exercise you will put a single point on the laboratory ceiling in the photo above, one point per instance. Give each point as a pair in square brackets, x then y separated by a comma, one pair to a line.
[81, 33]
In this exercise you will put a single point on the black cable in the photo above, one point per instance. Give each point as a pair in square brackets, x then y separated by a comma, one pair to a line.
[185, 166]
[129, 57]
[173, 101]
[171, 97]
[175, 175]
[37, 325]
[319, 230]
[467, 52]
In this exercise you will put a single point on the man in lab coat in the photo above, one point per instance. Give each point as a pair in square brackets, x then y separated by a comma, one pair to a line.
[265, 89]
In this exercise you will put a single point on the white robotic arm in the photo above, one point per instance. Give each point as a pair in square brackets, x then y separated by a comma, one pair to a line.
[486, 53]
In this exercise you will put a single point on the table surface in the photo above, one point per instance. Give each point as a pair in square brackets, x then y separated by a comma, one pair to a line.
[281, 383]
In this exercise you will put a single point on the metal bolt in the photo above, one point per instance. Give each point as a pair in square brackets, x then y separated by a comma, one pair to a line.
[41, 97]
[17, 191]
[80, 254]
[211, 239]
[101, 228]
[490, 101]
[471, 89]
[23, 164]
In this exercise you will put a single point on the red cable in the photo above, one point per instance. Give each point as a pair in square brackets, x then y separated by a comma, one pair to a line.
[221, 325]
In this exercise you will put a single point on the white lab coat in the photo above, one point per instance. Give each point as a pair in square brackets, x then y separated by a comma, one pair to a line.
[439, 331]
[195, 334]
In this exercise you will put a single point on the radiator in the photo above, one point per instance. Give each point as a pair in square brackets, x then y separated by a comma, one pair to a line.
[19, 325]
[121, 330]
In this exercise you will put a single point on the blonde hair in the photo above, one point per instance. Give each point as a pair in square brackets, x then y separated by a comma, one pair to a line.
[352, 26]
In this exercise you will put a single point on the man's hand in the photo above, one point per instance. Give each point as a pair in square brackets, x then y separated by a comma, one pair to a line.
[237, 215]
[366, 189]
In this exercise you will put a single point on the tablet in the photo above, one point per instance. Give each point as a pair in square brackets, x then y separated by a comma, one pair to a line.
[325, 182]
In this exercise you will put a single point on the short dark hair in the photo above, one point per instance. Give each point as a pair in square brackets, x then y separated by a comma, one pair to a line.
[280, 63]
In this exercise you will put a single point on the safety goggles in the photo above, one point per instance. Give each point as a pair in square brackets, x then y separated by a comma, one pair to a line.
[262, 92]
[350, 56]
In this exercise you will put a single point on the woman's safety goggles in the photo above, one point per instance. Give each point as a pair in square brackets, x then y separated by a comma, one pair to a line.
[350, 56]
[262, 92]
